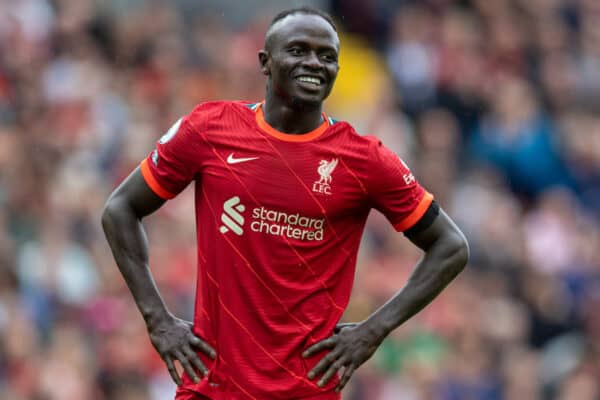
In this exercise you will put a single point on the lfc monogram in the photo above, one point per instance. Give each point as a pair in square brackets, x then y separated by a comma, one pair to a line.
[323, 185]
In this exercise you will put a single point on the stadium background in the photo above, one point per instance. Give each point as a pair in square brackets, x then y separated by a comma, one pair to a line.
[494, 105]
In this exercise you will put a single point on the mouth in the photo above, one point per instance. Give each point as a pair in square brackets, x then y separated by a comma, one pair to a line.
[310, 82]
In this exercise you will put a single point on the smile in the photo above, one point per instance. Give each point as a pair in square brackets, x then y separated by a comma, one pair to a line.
[309, 79]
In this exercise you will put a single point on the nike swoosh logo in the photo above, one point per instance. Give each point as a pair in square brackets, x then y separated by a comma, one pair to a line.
[232, 160]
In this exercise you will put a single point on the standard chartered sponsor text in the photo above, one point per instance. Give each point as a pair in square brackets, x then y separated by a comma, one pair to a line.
[279, 223]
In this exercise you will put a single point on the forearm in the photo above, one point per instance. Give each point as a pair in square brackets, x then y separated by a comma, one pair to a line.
[127, 239]
[431, 275]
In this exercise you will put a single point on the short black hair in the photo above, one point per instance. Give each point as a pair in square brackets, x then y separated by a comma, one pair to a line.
[298, 10]
[303, 10]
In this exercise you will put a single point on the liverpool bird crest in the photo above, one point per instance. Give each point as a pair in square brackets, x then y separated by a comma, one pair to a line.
[325, 169]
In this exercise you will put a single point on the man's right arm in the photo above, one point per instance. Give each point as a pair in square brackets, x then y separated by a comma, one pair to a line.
[122, 223]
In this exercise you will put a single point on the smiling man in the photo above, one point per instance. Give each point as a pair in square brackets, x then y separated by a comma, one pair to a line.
[301, 60]
[282, 195]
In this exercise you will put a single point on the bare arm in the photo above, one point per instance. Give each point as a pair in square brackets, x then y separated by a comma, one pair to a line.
[446, 254]
[122, 223]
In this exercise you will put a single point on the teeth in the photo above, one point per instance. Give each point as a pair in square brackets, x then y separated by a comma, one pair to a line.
[309, 79]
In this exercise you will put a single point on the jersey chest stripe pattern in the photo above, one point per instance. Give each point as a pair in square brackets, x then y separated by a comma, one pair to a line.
[256, 274]
[351, 172]
[302, 259]
[259, 118]
[251, 336]
[310, 193]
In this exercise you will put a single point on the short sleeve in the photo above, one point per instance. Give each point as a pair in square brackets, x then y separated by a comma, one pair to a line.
[175, 161]
[394, 190]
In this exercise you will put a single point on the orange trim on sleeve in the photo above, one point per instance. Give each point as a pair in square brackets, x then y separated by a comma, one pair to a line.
[153, 183]
[416, 215]
[290, 137]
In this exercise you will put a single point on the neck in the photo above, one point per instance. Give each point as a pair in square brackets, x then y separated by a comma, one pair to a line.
[292, 117]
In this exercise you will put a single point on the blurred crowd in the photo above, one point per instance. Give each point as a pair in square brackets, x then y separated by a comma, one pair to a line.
[495, 105]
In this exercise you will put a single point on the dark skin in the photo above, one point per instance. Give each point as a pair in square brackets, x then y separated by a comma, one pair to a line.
[445, 255]
[298, 46]
[298, 49]
[172, 337]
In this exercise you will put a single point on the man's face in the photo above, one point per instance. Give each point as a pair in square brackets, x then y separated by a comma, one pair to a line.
[301, 59]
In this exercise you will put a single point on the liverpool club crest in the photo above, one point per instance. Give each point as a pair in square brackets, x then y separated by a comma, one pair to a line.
[325, 169]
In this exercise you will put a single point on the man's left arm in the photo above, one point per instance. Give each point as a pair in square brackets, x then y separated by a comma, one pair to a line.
[446, 254]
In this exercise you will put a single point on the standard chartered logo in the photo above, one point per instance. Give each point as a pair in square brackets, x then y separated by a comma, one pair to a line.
[232, 218]
[270, 222]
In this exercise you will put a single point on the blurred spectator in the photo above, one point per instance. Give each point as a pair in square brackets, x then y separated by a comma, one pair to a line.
[412, 58]
[519, 139]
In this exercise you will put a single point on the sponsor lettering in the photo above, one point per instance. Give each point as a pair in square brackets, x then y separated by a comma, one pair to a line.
[270, 222]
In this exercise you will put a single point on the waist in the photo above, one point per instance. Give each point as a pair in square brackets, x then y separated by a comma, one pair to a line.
[223, 384]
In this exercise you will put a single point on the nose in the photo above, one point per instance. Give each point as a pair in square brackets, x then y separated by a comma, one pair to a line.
[312, 61]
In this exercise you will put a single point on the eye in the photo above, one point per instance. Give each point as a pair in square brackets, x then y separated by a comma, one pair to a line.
[329, 57]
[295, 51]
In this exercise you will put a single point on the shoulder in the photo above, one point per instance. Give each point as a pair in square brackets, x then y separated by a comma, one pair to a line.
[346, 131]
[373, 152]
[208, 110]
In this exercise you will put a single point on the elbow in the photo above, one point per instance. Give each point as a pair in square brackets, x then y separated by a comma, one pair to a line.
[108, 215]
[118, 214]
[460, 252]
[113, 212]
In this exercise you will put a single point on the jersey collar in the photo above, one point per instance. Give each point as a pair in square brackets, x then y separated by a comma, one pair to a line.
[288, 137]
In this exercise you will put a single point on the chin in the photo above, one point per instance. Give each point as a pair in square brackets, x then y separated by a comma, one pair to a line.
[307, 103]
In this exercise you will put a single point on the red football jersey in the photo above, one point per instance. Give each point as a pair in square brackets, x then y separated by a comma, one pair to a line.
[279, 220]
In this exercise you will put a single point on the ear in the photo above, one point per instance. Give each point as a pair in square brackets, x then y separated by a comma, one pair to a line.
[264, 58]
